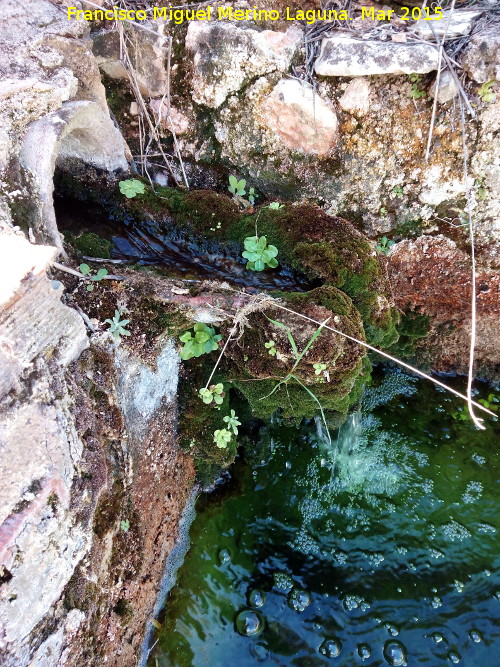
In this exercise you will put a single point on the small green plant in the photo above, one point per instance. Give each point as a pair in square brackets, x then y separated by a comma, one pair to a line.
[298, 358]
[237, 187]
[384, 246]
[397, 191]
[203, 341]
[131, 187]
[259, 254]
[319, 368]
[124, 525]
[222, 438]
[252, 195]
[416, 92]
[213, 394]
[486, 92]
[117, 326]
[87, 272]
[275, 205]
[271, 348]
[491, 403]
[232, 422]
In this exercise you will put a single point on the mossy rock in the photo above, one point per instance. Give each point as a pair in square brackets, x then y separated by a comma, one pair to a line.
[332, 250]
[92, 245]
[413, 328]
[296, 403]
[321, 246]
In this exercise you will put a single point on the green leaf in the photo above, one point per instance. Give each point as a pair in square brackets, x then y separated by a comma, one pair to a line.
[259, 265]
[185, 337]
[85, 269]
[233, 181]
[101, 273]
[272, 263]
[90, 288]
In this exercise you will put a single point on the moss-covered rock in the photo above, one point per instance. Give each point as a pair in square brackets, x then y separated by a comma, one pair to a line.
[92, 245]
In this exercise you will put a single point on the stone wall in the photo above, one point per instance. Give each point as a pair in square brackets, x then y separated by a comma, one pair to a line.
[92, 482]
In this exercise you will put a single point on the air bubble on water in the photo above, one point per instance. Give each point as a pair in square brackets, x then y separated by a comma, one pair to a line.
[476, 636]
[392, 629]
[352, 602]
[459, 586]
[477, 458]
[364, 651]
[299, 600]
[249, 623]
[330, 648]
[339, 557]
[259, 651]
[224, 556]
[455, 532]
[438, 637]
[435, 553]
[486, 528]
[395, 653]
[256, 598]
[454, 657]
[473, 492]
[436, 602]
[487, 573]
[376, 559]
[288, 465]
[401, 549]
[282, 582]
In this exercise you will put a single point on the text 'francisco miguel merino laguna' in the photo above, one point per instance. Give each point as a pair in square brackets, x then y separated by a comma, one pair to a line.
[209, 13]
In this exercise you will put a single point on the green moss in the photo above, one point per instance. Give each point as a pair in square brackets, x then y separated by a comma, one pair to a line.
[411, 330]
[93, 245]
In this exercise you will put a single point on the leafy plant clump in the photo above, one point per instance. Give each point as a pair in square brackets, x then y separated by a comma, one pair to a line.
[86, 270]
[213, 394]
[203, 341]
[222, 438]
[271, 348]
[416, 92]
[237, 187]
[384, 246]
[486, 92]
[232, 422]
[117, 326]
[259, 254]
[131, 187]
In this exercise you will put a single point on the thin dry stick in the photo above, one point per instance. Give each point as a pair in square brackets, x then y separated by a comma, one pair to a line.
[72, 272]
[438, 77]
[473, 278]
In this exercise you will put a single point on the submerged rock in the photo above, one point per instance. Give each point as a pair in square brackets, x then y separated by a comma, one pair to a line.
[347, 56]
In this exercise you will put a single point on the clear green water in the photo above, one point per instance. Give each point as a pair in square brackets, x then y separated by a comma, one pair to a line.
[388, 534]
